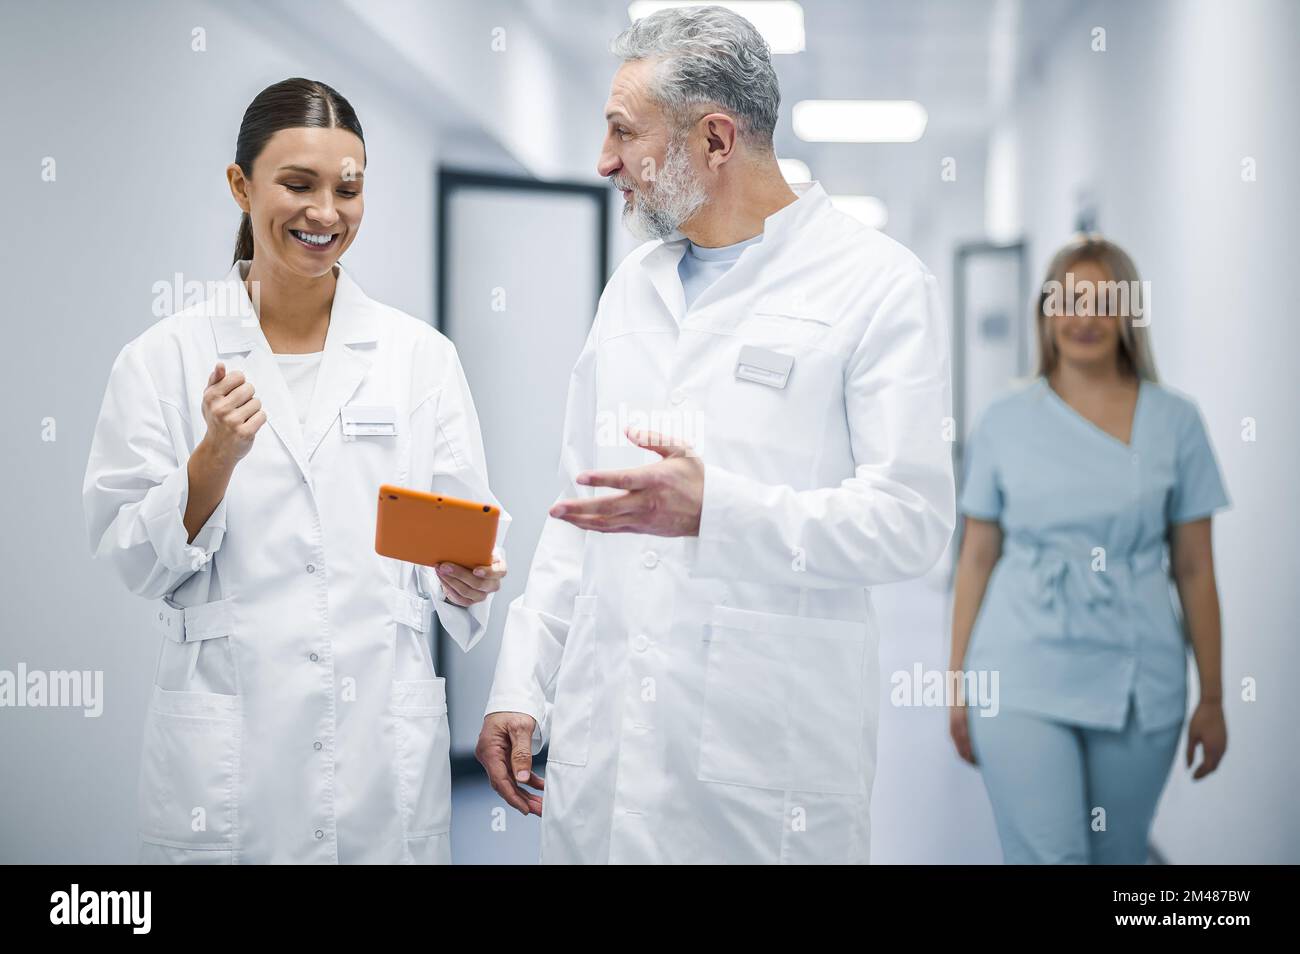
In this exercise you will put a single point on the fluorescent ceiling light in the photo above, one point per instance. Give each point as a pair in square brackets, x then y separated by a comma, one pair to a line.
[867, 209]
[780, 22]
[859, 120]
[795, 170]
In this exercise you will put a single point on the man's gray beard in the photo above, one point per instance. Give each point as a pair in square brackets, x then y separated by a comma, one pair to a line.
[675, 195]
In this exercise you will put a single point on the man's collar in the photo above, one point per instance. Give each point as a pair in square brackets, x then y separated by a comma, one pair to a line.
[811, 199]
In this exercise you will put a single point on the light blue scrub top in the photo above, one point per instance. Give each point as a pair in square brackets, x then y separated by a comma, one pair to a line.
[1072, 630]
[699, 267]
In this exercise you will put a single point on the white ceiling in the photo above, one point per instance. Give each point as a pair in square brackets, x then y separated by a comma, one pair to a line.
[946, 54]
[958, 58]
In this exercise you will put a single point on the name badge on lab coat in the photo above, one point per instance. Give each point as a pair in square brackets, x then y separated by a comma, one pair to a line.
[361, 420]
[764, 367]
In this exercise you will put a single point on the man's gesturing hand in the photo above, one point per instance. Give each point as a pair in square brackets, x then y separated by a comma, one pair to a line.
[663, 498]
[505, 750]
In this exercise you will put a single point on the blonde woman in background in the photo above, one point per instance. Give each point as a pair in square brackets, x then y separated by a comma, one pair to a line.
[1075, 486]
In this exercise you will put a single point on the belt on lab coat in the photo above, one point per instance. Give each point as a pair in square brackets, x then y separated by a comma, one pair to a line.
[1066, 585]
[411, 609]
[189, 624]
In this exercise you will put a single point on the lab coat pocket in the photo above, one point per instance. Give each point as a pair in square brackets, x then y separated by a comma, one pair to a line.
[575, 689]
[783, 702]
[794, 306]
[189, 777]
[423, 747]
[788, 321]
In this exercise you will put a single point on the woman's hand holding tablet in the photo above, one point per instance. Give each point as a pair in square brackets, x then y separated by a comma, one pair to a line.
[453, 536]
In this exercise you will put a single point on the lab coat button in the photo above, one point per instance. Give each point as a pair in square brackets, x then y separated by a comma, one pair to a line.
[640, 643]
[319, 833]
[311, 568]
[677, 397]
[651, 559]
[317, 746]
[314, 658]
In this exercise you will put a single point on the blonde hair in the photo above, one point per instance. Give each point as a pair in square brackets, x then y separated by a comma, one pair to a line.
[1134, 345]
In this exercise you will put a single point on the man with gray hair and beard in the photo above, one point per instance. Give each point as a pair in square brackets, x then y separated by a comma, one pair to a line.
[696, 645]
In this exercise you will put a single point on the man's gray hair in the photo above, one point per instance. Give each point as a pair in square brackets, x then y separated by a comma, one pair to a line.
[708, 55]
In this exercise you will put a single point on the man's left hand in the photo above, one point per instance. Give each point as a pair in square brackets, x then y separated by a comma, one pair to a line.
[663, 499]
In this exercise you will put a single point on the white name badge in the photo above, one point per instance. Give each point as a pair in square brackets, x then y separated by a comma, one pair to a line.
[361, 420]
[764, 367]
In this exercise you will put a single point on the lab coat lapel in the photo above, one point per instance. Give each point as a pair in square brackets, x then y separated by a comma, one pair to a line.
[242, 346]
[349, 351]
[781, 239]
[660, 265]
[779, 230]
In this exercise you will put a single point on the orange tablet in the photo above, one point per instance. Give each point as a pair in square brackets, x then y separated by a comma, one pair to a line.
[433, 528]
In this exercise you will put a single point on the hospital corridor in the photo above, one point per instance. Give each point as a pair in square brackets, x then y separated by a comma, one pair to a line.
[652, 433]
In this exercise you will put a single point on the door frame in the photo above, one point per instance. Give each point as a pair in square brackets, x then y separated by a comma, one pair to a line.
[449, 181]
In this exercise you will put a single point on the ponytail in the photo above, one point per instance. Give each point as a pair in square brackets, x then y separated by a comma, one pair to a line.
[244, 240]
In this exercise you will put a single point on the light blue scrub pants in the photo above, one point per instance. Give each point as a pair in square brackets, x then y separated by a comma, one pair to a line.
[1046, 778]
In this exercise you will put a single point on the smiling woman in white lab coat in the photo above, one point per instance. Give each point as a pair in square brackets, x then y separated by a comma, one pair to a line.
[296, 715]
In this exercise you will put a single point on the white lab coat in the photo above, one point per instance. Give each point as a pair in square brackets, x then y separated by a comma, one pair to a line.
[714, 699]
[296, 715]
